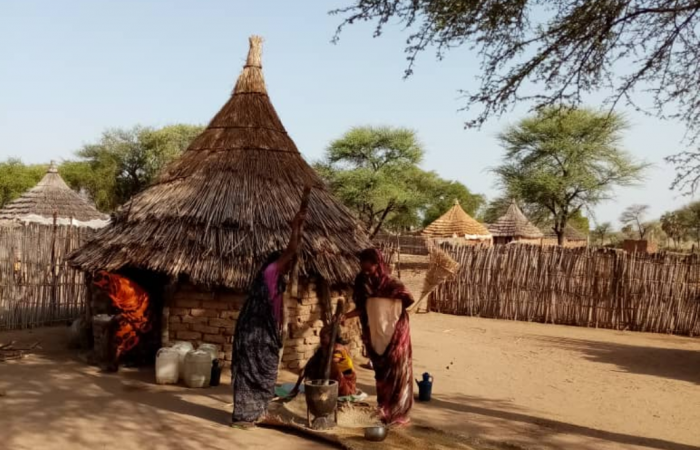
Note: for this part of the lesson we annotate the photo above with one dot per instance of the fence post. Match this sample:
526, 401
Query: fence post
54, 278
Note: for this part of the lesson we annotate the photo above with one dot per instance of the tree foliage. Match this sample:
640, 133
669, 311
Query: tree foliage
17, 177
566, 160
602, 232
440, 197
672, 223
125, 161
375, 171
121, 164
690, 217
552, 52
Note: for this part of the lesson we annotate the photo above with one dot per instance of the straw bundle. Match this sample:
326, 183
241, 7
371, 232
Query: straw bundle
442, 268
217, 212
53, 196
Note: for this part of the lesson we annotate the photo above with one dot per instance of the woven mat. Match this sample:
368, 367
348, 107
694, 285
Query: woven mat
349, 434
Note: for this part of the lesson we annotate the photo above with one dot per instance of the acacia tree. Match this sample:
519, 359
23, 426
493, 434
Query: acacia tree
673, 225
634, 216
566, 160
550, 52
602, 232
690, 215
375, 172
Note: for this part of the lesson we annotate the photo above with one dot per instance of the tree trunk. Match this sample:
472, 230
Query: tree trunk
386, 212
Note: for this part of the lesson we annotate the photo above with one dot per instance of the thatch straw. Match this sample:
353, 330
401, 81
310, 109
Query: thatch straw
514, 224
571, 234
53, 196
216, 212
456, 223
442, 267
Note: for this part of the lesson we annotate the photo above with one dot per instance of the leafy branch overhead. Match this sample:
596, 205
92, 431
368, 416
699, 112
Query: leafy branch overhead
554, 52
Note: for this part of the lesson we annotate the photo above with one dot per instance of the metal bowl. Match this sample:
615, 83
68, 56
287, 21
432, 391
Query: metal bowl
376, 434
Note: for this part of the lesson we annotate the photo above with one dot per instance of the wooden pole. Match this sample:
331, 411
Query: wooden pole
331, 346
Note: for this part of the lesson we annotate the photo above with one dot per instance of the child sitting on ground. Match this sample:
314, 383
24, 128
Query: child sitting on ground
342, 369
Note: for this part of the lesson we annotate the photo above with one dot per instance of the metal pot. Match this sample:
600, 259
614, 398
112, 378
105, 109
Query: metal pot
321, 403
376, 434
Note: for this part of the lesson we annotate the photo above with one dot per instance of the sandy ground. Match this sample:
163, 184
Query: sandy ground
539, 386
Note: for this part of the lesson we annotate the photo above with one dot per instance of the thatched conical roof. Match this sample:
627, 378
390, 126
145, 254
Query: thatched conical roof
456, 223
571, 234
217, 212
52, 195
514, 224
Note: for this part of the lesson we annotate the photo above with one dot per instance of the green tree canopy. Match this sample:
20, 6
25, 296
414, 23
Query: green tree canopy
17, 177
566, 160
125, 161
672, 223
375, 171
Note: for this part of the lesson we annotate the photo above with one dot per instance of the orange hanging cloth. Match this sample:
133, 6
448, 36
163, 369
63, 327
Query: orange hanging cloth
131, 300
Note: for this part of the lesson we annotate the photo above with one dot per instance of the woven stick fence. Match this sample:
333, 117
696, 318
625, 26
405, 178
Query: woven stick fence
37, 287
583, 287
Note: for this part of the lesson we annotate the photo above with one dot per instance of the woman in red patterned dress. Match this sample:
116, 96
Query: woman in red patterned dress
381, 302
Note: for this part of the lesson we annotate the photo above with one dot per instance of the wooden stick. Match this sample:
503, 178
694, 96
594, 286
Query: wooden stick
331, 347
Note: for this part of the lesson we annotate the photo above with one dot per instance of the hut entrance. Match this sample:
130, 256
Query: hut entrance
125, 316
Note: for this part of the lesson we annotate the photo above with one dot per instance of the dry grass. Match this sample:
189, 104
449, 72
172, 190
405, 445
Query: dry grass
221, 208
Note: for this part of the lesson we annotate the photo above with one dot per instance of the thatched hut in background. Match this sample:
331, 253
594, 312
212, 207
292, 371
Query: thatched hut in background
199, 234
37, 230
51, 202
513, 226
458, 227
573, 238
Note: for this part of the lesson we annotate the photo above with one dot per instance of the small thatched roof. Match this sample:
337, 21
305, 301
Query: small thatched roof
571, 234
216, 213
52, 195
456, 223
514, 224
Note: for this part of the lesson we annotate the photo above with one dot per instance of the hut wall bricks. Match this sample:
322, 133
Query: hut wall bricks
200, 315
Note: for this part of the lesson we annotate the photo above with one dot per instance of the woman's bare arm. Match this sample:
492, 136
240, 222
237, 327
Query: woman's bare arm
284, 263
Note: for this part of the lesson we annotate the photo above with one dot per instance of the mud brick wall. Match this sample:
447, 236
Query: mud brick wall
199, 316
304, 324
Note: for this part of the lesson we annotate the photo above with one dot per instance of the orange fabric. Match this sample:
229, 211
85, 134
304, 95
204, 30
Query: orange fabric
342, 359
132, 302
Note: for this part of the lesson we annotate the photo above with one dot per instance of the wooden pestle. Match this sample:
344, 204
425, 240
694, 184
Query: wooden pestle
335, 324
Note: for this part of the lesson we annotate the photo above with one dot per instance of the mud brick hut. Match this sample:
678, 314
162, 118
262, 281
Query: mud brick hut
196, 238
514, 226
457, 227
37, 231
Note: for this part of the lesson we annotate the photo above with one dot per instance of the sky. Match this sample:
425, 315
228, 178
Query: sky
71, 69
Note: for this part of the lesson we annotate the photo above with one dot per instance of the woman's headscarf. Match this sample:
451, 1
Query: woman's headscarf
379, 284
